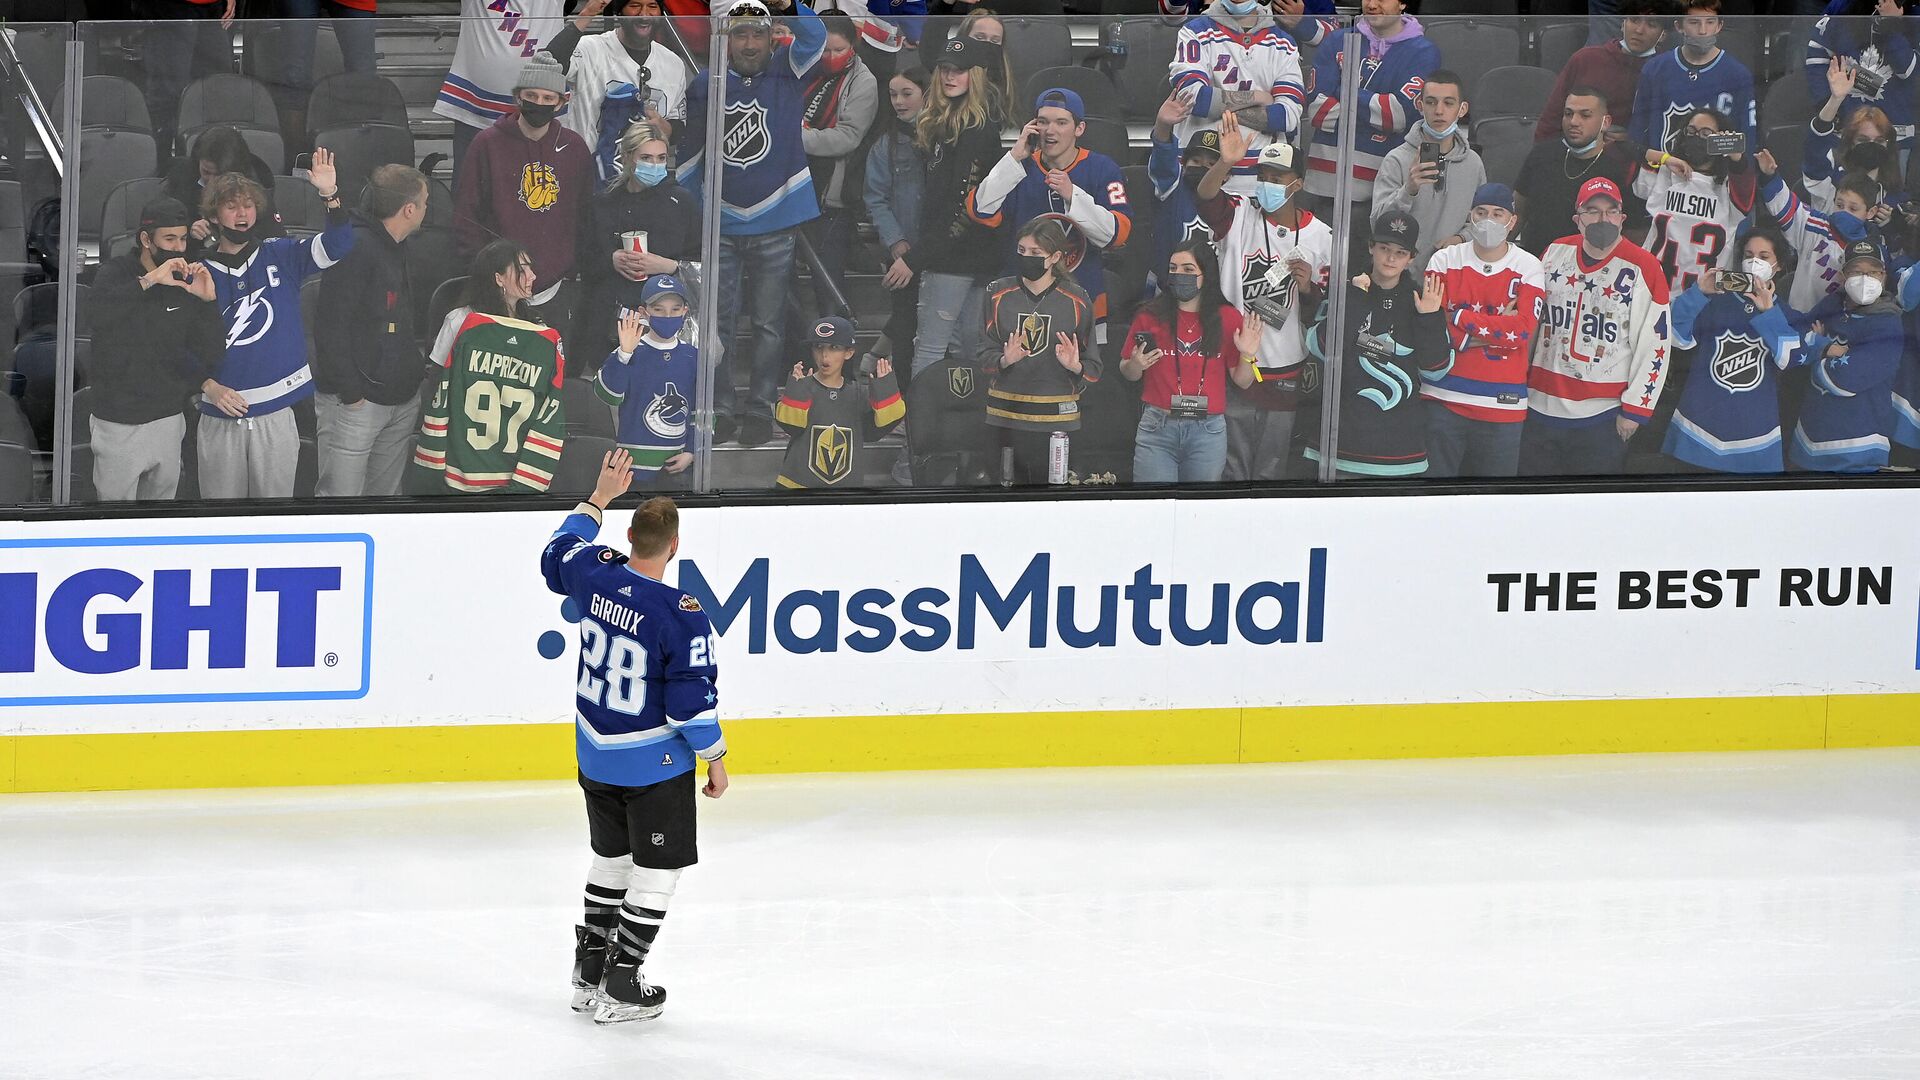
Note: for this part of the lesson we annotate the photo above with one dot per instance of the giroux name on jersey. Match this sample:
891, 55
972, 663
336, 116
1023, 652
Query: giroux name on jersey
618, 616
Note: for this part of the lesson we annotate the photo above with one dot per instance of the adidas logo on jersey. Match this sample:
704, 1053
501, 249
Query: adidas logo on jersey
626, 590
513, 341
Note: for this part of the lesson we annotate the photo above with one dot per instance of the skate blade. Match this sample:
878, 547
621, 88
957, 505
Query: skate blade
613, 1012
585, 998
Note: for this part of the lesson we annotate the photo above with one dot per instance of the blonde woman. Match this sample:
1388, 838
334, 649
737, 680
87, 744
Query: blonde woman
959, 131
980, 24
644, 224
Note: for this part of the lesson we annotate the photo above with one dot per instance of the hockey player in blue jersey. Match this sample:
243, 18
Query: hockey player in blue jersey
1728, 419
1697, 75
255, 451
645, 710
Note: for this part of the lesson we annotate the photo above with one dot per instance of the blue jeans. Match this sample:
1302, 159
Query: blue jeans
1457, 446
756, 271
352, 28
1589, 450
952, 310
1166, 450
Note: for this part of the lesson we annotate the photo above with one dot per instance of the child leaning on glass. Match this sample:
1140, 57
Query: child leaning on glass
830, 416
650, 380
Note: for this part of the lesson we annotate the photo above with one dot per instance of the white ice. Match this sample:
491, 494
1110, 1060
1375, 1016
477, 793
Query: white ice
1741, 916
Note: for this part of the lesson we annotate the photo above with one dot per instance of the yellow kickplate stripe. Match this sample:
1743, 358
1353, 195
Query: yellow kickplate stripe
974, 740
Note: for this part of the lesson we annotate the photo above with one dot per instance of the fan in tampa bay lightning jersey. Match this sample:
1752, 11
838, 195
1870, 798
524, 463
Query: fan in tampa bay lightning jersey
1728, 419
646, 703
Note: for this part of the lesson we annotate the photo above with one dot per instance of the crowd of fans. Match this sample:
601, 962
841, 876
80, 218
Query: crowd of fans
1650, 292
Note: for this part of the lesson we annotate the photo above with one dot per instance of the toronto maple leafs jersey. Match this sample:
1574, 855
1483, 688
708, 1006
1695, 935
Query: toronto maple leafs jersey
1493, 312
1253, 271
766, 184
1670, 88
646, 702
653, 389
1176, 214
1694, 221
1604, 345
1881, 46
258, 294
1212, 56
1390, 346
1847, 417
1728, 419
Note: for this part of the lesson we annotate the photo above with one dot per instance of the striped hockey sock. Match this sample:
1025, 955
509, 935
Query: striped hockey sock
644, 909
607, 883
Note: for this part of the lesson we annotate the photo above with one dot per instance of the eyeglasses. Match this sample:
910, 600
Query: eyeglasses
1599, 213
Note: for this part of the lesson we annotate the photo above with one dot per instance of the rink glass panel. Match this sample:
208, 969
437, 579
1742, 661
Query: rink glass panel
1508, 63
32, 139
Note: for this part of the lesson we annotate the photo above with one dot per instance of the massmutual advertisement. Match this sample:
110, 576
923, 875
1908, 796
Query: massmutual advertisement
1046, 607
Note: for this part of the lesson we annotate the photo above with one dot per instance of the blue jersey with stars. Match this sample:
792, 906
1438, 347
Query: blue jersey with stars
1670, 88
1729, 414
645, 702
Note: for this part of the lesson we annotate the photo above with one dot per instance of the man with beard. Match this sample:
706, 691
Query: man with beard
1556, 170
1698, 198
1612, 68
251, 447
599, 64
766, 194
162, 344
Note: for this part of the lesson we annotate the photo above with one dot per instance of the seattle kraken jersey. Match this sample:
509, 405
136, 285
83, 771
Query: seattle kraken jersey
1729, 414
653, 389
645, 703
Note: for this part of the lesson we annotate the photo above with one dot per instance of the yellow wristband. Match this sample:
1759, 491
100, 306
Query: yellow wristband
1662, 163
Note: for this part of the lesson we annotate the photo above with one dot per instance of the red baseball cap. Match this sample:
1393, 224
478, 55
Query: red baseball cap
1598, 186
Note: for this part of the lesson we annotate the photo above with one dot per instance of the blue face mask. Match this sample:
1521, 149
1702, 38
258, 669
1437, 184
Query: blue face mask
1582, 150
1269, 195
665, 327
649, 172
1847, 225
1240, 9
1433, 134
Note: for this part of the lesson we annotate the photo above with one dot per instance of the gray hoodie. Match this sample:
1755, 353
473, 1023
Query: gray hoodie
1441, 209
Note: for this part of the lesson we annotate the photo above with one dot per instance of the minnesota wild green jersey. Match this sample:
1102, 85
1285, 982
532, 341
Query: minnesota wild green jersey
495, 423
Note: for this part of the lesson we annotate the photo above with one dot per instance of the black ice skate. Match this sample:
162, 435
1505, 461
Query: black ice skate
589, 967
627, 996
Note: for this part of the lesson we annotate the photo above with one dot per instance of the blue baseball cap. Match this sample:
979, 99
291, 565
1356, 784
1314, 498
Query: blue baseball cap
1059, 97
662, 285
1499, 195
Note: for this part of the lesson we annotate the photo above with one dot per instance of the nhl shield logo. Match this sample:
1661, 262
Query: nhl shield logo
831, 452
960, 382
747, 141
1739, 361
1035, 332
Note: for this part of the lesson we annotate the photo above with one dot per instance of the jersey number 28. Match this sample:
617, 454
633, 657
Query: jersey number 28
613, 670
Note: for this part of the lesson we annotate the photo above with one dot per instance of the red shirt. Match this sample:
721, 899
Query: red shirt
1608, 68
1183, 370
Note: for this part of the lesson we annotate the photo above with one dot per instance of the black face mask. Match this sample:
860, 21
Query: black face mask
1695, 151
537, 115
1192, 175
1033, 267
235, 235
1183, 287
1867, 156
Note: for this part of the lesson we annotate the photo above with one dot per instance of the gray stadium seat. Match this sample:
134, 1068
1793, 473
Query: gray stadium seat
1143, 76
1470, 46
301, 211
1786, 104
446, 297
108, 159
1096, 90
121, 218
1479, 9
359, 150
13, 223
110, 103
1503, 159
1033, 44
238, 102
352, 99
1510, 91
1558, 42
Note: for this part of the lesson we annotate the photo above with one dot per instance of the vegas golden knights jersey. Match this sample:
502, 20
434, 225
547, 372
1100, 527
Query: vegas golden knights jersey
830, 426
1035, 393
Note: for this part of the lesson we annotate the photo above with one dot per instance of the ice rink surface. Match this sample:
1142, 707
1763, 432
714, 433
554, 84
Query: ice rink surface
1751, 916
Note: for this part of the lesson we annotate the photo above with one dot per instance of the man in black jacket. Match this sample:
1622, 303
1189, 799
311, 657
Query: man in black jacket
162, 340
368, 364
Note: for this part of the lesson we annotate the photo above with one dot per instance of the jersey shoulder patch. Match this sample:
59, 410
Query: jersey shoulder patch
688, 603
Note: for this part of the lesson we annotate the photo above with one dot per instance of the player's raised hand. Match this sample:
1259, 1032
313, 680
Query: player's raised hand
616, 475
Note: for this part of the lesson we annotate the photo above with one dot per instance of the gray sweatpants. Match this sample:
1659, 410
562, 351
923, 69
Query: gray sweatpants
363, 448
254, 457
1258, 441
137, 461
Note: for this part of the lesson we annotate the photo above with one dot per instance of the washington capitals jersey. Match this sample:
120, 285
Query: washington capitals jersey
653, 390
259, 301
1728, 419
1694, 221
1098, 187
1846, 419
1176, 212
1670, 88
765, 183
1493, 312
645, 698
1604, 344
1389, 87
1212, 57
497, 38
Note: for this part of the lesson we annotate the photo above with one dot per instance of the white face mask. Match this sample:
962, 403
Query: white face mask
1488, 233
1862, 289
1758, 269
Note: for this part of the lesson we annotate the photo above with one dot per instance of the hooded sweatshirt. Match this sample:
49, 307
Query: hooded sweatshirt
1397, 67
533, 192
1442, 208
161, 344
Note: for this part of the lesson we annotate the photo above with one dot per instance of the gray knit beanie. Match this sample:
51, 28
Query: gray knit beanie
542, 73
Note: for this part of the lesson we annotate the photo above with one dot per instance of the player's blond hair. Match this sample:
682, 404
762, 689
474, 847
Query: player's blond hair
656, 524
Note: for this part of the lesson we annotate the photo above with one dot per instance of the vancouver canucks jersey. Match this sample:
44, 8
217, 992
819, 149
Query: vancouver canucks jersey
1729, 414
645, 703
496, 422
653, 390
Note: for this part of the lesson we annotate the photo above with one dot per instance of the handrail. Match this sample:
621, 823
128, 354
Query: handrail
30, 100
820, 276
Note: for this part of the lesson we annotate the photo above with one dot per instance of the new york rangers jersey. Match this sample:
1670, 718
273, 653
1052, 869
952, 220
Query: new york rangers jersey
1670, 88
1847, 418
1493, 312
1604, 344
1694, 221
1728, 419
1254, 255
653, 389
1390, 84
258, 294
766, 184
1016, 192
1212, 57
646, 702
1176, 214
497, 38
1818, 245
